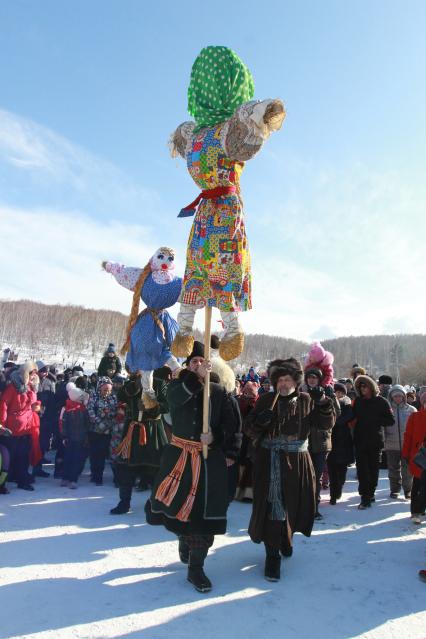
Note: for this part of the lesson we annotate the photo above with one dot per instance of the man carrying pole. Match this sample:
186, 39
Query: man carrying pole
190, 494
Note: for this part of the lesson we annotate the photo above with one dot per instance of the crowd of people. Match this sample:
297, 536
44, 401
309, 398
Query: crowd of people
278, 438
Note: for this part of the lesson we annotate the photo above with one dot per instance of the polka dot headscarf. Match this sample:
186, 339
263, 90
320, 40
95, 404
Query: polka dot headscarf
220, 82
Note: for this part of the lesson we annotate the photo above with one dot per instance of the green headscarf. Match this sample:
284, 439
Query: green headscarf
220, 82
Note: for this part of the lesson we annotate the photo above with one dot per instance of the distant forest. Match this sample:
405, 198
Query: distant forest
77, 331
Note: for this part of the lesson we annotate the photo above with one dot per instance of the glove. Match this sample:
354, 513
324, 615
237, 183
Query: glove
265, 417
317, 393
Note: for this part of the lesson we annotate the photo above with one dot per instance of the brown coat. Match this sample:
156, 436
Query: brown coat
292, 417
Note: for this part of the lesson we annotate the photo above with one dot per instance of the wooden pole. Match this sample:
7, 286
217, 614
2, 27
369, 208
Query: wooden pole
206, 394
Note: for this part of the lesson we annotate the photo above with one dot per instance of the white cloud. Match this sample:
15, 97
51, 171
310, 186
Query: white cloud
40, 160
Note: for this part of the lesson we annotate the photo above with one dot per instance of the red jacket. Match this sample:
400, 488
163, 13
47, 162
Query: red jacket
413, 438
16, 412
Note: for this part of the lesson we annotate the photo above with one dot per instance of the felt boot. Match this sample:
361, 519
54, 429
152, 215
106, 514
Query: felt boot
196, 575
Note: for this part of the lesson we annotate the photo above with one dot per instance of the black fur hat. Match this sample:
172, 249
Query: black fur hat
280, 367
198, 348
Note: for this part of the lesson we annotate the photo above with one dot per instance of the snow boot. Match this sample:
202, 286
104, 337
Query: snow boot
121, 508
365, 503
183, 551
196, 575
272, 564
286, 548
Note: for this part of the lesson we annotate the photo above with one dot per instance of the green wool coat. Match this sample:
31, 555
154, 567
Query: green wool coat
150, 453
208, 515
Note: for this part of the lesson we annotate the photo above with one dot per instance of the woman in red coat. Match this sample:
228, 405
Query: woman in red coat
16, 414
414, 438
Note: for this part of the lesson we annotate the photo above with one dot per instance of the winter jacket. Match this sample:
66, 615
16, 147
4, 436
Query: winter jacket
415, 435
15, 410
320, 436
102, 411
109, 366
342, 447
394, 435
75, 422
370, 415
46, 395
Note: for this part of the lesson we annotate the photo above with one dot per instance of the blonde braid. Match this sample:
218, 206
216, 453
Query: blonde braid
135, 306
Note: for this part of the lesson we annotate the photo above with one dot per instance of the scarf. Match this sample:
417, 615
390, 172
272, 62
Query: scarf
220, 83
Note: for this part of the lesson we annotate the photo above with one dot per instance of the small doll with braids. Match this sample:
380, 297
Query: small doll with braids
151, 332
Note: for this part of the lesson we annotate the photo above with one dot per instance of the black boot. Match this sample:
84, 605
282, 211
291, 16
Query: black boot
272, 564
122, 508
196, 575
286, 547
183, 551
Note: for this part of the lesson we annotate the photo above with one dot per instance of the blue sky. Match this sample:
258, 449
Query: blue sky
334, 202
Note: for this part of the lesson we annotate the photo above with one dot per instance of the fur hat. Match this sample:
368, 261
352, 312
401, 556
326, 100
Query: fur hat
318, 357
357, 370
25, 369
280, 367
225, 373
368, 381
77, 394
385, 379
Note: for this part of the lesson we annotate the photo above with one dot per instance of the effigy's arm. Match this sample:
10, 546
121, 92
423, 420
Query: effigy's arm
250, 126
126, 276
180, 139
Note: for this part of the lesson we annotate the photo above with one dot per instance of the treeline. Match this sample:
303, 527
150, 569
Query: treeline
77, 332
70, 330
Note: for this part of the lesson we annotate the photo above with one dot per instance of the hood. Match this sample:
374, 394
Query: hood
397, 388
365, 379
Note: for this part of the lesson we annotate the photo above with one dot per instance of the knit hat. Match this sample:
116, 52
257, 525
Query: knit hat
104, 381
385, 379
280, 367
338, 386
313, 371
357, 370
397, 389
111, 348
40, 365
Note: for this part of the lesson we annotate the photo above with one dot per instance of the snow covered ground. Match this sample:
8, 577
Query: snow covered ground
70, 569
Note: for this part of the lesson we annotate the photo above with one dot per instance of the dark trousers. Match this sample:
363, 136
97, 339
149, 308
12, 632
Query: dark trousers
4, 464
74, 457
99, 452
337, 477
418, 495
318, 461
367, 466
19, 450
126, 477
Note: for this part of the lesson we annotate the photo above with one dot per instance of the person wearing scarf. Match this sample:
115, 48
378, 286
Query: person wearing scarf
190, 493
16, 414
228, 129
283, 474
